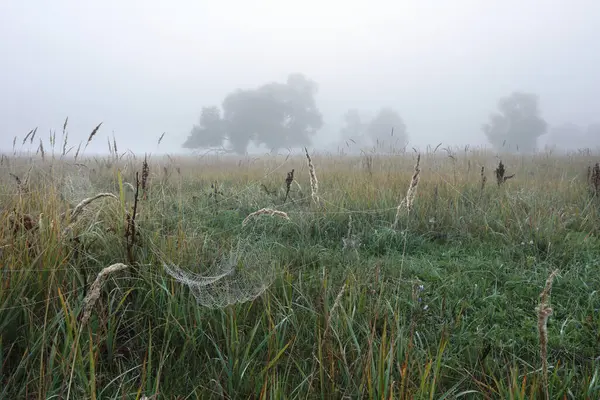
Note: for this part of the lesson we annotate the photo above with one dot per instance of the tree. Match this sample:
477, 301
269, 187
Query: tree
570, 136
353, 128
209, 132
387, 127
517, 125
276, 115
593, 135
566, 136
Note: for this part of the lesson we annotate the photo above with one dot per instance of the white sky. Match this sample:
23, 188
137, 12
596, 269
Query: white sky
145, 67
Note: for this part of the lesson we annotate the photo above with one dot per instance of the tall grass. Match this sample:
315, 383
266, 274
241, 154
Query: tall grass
457, 320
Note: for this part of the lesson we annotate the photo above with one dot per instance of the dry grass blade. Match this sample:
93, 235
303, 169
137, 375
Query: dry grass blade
543, 312
265, 211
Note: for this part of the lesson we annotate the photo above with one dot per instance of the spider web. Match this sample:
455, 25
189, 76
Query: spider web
76, 187
240, 277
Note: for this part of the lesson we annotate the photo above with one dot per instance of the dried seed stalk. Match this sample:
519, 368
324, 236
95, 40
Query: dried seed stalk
483, 178
500, 171
544, 311
93, 134
27, 136
351, 241
288, 184
314, 182
130, 230
145, 174
115, 146
88, 304
85, 202
94, 294
77, 152
410, 194
336, 303
41, 149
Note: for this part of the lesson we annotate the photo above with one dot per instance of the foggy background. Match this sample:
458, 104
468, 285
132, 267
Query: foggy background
148, 67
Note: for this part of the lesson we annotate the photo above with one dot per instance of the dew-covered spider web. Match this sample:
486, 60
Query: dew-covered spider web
241, 276
76, 187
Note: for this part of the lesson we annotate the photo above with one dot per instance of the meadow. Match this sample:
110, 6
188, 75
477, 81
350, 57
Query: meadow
388, 275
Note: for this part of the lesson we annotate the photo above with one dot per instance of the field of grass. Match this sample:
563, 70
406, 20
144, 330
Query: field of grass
332, 299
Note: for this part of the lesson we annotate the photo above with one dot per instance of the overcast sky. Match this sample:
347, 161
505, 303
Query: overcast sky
147, 67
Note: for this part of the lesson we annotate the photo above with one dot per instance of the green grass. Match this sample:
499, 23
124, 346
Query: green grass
441, 307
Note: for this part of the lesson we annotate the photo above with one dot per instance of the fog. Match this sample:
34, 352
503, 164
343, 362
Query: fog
148, 67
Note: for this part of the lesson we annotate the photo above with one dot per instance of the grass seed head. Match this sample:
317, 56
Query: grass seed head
27, 136
79, 208
483, 178
41, 149
33, 135
94, 294
314, 182
93, 133
288, 184
411, 193
146, 173
265, 211
543, 313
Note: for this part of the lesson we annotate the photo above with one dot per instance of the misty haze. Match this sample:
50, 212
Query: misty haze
144, 68
293, 200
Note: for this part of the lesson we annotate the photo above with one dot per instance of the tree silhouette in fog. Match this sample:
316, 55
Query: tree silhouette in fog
276, 115
353, 128
566, 136
386, 128
517, 125
209, 132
